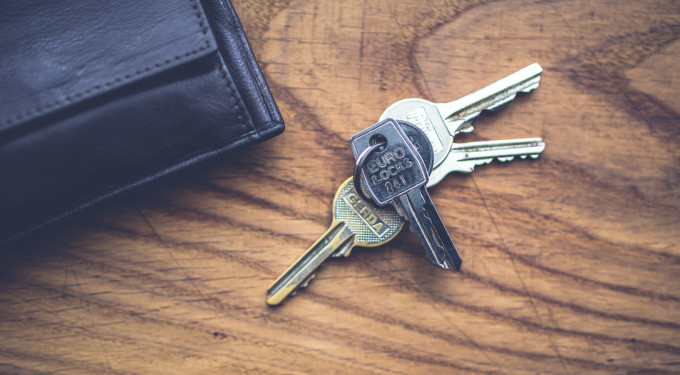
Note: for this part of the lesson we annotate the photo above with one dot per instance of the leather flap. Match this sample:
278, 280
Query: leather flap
69, 51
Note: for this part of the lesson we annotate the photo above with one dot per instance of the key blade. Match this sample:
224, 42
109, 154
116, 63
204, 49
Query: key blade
451, 255
501, 149
461, 113
427, 224
301, 272
465, 156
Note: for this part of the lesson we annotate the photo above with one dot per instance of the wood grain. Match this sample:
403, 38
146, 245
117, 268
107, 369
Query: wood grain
571, 261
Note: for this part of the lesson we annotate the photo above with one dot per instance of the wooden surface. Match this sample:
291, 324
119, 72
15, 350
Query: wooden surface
571, 261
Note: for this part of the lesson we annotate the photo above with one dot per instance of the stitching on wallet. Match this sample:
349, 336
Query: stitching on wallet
237, 101
203, 28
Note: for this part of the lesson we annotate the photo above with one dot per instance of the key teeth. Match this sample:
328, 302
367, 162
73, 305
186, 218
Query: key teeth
343, 252
483, 162
532, 87
505, 158
466, 128
442, 259
444, 263
306, 282
510, 158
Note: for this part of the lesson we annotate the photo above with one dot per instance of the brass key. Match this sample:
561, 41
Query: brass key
355, 223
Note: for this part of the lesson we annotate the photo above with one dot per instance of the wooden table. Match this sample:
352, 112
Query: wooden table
571, 261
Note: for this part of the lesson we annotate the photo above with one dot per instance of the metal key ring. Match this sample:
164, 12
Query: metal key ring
361, 160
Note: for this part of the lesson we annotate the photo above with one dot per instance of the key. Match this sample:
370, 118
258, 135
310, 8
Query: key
442, 121
420, 142
355, 223
302, 271
465, 156
394, 173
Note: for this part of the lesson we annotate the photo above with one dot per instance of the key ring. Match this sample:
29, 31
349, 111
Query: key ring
361, 160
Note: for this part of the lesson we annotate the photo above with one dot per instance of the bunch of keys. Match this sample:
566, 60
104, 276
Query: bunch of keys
393, 172
411, 148
356, 222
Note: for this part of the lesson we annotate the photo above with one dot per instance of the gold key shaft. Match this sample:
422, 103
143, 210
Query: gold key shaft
355, 223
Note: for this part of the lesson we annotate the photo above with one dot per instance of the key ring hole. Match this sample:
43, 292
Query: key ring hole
378, 140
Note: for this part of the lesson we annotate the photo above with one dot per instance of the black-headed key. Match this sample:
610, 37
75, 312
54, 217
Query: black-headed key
393, 172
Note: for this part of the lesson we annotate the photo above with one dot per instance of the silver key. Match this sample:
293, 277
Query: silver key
465, 156
394, 173
442, 121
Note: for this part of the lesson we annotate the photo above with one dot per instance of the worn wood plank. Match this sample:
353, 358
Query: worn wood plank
571, 261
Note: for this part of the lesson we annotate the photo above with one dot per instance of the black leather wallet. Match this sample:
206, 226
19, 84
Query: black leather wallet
98, 97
